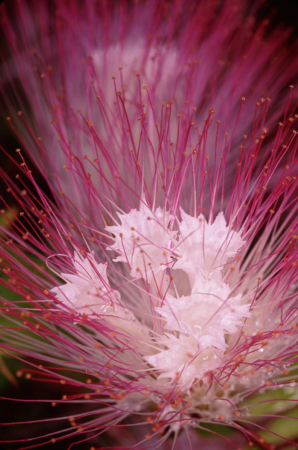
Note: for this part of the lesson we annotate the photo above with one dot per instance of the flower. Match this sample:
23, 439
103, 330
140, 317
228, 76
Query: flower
156, 281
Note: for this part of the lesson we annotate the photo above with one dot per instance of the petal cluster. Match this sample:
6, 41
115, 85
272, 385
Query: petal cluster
143, 240
87, 290
191, 341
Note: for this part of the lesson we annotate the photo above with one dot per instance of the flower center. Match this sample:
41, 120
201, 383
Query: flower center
186, 337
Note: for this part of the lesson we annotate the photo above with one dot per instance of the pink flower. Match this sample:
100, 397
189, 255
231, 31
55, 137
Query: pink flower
158, 276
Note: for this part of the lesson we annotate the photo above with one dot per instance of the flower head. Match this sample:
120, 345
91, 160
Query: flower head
162, 263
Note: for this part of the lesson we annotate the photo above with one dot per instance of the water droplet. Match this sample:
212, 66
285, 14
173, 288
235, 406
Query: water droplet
194, 423
157, 398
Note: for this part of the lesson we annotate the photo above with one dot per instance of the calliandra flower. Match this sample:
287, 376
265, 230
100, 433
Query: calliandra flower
157, 279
